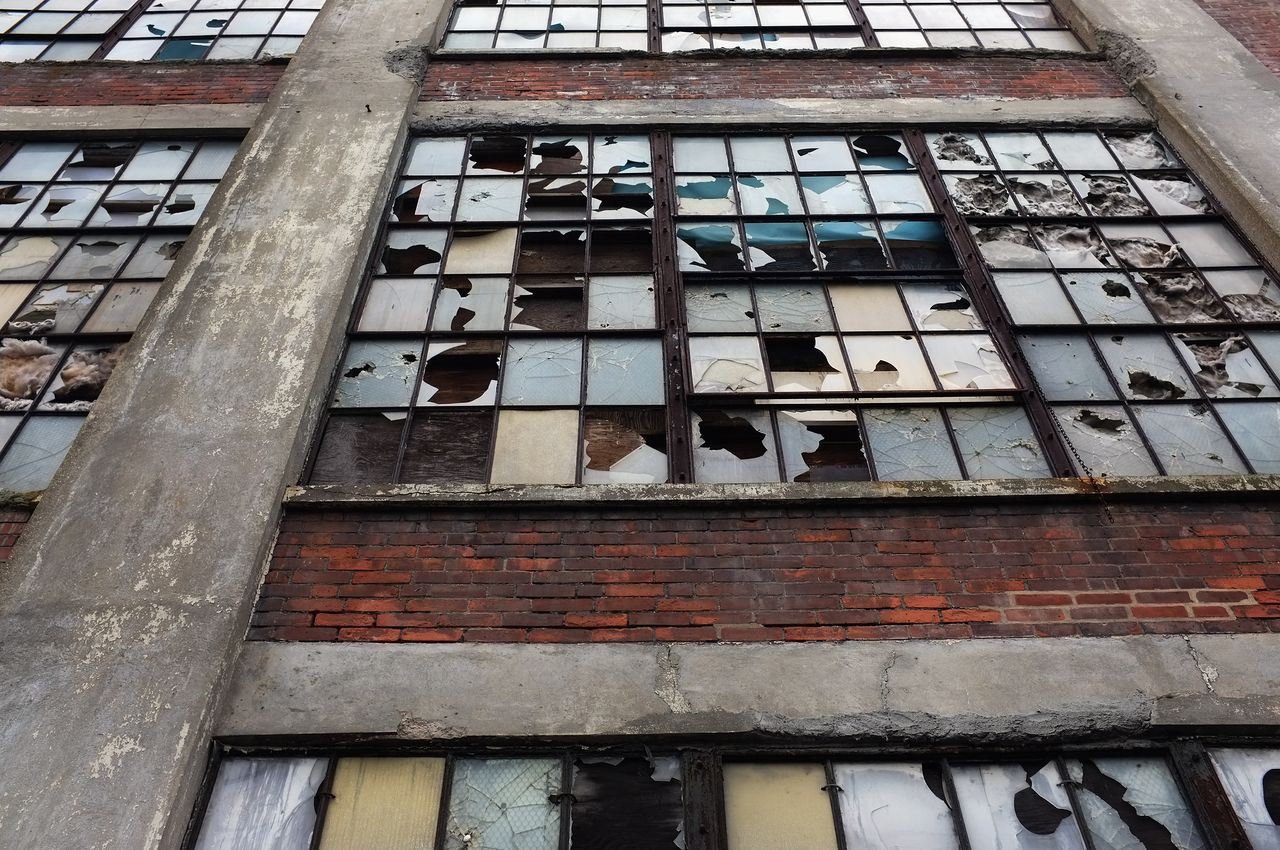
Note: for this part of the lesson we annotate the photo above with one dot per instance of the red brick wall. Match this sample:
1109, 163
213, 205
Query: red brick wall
140, 84
12, 521
1254, 23
933, 571
767, 77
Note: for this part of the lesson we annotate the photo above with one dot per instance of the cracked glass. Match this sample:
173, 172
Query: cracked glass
1133, 804
503, 804
1251, 778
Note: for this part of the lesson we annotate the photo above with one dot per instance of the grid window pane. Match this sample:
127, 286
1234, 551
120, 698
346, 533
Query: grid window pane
234, 29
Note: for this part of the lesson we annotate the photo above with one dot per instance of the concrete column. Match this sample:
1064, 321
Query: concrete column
1211, 97
123, 610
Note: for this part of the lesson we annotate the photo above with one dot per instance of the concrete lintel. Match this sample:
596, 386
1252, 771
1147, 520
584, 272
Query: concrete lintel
1211, 97
1126, 488
994, 692
457, 116
212, 118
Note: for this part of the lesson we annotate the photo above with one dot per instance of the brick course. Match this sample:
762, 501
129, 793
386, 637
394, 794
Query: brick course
12, 522
662, 574
769, 76
1254, 23
137, 84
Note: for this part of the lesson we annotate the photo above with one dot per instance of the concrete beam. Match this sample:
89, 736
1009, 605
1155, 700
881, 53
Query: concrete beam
47, 121
1211, 97
123, 609
458, 116
997, 691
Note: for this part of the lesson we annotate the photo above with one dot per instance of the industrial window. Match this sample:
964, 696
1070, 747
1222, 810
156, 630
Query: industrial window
87, 233
592, 308
676, 25
584, 800
152, 29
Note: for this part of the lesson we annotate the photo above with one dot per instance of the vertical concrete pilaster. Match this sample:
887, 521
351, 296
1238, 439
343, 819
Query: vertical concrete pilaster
1211, 97
124, 608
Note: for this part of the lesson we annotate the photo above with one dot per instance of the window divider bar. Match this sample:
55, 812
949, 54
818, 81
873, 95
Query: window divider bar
1209, 800
113, 36
323, 797
981, 285
704, 807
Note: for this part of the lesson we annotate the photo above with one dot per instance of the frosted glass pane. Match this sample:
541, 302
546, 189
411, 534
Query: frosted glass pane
258, 802
536, 447
1252, 780
997, 442
624, 371
502, 804
910, 444
778, 807
543, 371
1016, 807
894, 807
384, 804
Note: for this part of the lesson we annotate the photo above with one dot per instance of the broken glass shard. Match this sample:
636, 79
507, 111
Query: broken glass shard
30, 256
413, 252
447, 447
624, 446
356, 449
881, 152
1133, 804
979, 194
1082, 151
822, 445
1210, 244
726, 364
1073, 246
898, 193
543, 371
154, 258
1174, 195
769, 195
1181, 297
967, 362
705, 195
262, 802
733, 446
997, 442
1252, 781
941, 307
918, 244
503, 804
1187, 439
850, 245
424, 200
79, 382
621, 154
548, 305
556, 199
779, 246
959, 152
622, 198
471, 304
822, 153
55, 308
1225, 366
460, 373
839, 194
887, 363
891, 806
1141, 150
806, 364
1016, 807
65, 206
1045, 195
1009, 247
566, 155
710, 247
378, 373
497, 154
910, 444
25, 367
624, 372
1143, 246
1250, 294
1018, 151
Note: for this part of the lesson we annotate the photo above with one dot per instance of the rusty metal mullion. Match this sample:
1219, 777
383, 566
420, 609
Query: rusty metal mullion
1209, 800
981, 286
703, 802
113, 36
670, 295
654, 28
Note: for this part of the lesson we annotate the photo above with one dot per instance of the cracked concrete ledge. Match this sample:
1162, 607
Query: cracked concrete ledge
178, 120
991, 692
870, 492
457, 116
858, 54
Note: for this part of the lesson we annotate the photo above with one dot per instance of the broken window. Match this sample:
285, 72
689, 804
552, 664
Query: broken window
58, 30
87, 233
1251, 778
552, 24
1128, 287
235, 29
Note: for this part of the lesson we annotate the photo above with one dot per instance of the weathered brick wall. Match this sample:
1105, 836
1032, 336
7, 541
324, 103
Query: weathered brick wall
139, 84
1254, 23
768, 77
12, 521
705, 574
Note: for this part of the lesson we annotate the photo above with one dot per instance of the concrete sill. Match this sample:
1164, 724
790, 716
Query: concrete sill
858, 53
858, 492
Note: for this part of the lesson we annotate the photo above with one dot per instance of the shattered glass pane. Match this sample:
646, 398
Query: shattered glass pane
618, 154
30, 256
79, 382
1046, 195
959, 152
1109, 194
1143, 366
447, 447
841, 194
871, 307
413, 252
95, 256
1034, 298
806, 364
424, 200
1210, 244
780, 246
918, 245
1009, 247
460, 373
895, 806
616, 198
1080, 151
559, 155
1066, 367
979, 194
734, 446
632, 802
1019, 151
822, 153
910, 444
726, 364
624, 371
881, 152
543, 371
1105, 439
1251, 778
723, 309
396, 304
1134, 804
886, 363
1187, 439
154, 258
503, 804
624, 446
705, 195
1251, 295
941, 307
55, 308
621, 302
1181, 297
1073, 246
37, 452
898, 193
554, 251
967, 362
536, 447
1108, 297
262, 802
489, 199
497, 155
1016, 807
769, 195
1174, 195
378, 373
822, 445
997, 442
1225, 366
850, 245
1143, 246
709, 247
548, 305
778, 807
358, 449
785, 307
1141, 150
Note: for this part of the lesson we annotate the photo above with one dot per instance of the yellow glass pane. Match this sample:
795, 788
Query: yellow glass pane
778, 807
384, 804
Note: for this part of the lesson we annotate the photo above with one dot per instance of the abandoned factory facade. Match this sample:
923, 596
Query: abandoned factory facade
694, 424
